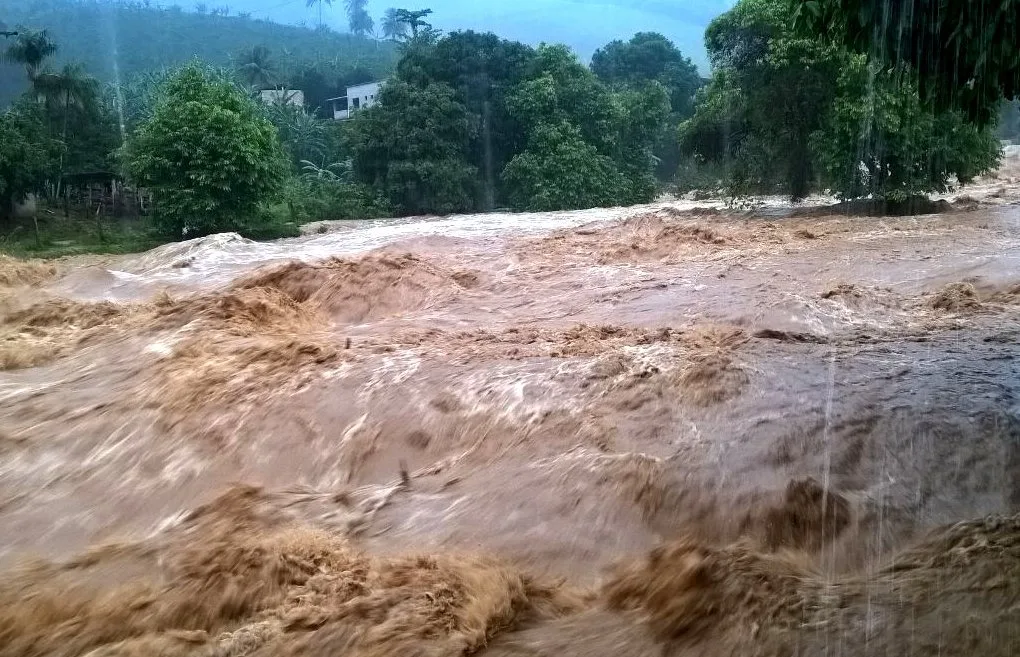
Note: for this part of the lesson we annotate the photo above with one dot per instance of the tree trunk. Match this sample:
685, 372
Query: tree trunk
490, 179
60, 178
800, 170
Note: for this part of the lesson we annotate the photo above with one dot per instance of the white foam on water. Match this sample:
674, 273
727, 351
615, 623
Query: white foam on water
215, 260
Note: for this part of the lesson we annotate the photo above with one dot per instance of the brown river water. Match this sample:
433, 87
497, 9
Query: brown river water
661, 430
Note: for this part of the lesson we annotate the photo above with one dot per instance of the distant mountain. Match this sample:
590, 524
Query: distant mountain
119, 39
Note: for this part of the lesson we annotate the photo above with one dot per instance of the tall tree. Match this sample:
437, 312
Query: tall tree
414, 20
786, 110
31, 48
309, 3
208, 153
358, 18
28, 154
575, 137
393, 28
68, 90
481, 69
646, 57
964, 53
257, 68
769, 92
411, 147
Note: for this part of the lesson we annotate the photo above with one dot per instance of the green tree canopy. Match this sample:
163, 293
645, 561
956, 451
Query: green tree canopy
411, 147
786, 111
207, 152
28, 154
560, 170
481, 69
585, 146
965, 54
358, 19
648, 57
31, 48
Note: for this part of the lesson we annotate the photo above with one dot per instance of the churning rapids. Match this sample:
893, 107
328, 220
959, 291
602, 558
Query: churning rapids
663, 430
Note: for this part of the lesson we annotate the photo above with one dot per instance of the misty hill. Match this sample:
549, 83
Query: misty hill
126, 38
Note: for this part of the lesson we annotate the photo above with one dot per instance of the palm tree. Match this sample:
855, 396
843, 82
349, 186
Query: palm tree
31, 49
309, 3
414, 20
358, 19
256, 68
304, 136
393, 28
70, 88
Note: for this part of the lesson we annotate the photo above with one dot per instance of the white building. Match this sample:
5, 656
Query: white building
358, 97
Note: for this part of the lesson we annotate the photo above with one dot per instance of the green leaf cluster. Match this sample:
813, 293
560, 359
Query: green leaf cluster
790, 112
964, 54
208, 153
28, 156
472, 121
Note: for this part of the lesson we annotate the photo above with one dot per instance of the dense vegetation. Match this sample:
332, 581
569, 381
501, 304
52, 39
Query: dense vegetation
789, 111
471, 121
207, 152
962, 54
121, 40
797, 102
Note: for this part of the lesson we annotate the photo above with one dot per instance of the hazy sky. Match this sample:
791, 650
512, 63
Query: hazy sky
582, 24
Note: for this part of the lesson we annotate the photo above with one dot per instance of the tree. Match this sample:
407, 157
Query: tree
411, 148
28, 155
69, 90
413, 20
648, 57
575, 145
881, 139
31, 48
644, 121
256, 68
559, 170
358, 19
779, 87
786, 111
309, 3
481, 69
964, 53
471, 120
393, 28
208, 153
303, 136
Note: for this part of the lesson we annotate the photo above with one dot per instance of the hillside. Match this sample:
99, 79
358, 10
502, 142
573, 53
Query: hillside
126, 38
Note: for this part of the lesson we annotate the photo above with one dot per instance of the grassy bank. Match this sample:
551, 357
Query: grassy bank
52, 235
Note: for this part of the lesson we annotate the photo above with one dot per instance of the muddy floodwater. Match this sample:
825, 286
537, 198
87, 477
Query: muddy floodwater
677, 429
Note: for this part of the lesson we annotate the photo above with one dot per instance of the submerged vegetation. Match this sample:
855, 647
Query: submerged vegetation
800, 99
